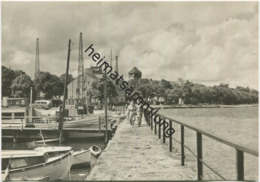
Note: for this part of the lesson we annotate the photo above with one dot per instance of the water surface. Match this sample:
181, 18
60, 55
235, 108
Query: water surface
239, 125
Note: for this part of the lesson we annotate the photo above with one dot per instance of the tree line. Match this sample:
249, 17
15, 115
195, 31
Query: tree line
194, 93
17, 83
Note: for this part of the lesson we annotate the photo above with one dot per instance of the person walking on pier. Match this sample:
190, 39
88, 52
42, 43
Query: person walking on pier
131, 111
139, 112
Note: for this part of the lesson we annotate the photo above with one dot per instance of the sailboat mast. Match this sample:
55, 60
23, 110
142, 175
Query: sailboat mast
64, 95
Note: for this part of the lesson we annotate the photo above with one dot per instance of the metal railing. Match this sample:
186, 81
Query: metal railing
240, 149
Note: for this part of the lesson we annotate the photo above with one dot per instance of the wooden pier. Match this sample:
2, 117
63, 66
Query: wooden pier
144, 153
135, 153
33, 133
94, 129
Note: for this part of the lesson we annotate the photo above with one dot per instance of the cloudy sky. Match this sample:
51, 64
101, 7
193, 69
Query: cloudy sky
204, 42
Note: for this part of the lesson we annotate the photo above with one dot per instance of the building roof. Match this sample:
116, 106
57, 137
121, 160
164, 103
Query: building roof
134, 70
91, 76
88, 74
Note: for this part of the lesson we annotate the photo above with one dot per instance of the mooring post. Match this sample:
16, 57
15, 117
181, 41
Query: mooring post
31, 110
22, 124
14, 138
99, 123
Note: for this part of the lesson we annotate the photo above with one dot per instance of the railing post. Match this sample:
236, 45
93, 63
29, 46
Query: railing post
151, 122
199, 156
182, 146
240, 165
164, 131
159, 131
155, 128
170, 139
148, 118
99, 123
22, 124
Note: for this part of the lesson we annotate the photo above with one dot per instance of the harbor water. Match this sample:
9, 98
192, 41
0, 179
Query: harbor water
239, 125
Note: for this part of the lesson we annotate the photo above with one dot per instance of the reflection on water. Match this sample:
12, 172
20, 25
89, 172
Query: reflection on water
239, 125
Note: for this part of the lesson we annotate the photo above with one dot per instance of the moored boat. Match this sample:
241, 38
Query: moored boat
41, 178
79, 157
84, 156
32, 164
89, 122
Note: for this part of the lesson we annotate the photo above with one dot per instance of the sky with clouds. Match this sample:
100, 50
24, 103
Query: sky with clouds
204, 42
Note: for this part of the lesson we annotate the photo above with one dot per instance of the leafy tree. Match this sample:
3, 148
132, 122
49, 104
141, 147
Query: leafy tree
245, 89
98, 87
7, 78
187, 92
62, 78
134, 83
18, 73
22, 84
196, 97
223, 85
49, 84
254, 91
170, 98
166, 84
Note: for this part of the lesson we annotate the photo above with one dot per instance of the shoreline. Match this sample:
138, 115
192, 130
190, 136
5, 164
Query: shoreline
202, 106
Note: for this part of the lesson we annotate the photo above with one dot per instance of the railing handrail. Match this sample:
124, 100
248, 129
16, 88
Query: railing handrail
217, 138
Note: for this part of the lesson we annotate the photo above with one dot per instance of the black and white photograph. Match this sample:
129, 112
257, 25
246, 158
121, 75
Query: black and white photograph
129, 91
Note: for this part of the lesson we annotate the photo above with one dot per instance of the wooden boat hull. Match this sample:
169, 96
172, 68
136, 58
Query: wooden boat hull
85, 156
44, 178
56, 169
88, 123
82, 157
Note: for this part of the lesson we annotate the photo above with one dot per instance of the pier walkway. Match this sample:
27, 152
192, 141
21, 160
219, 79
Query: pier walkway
134, 153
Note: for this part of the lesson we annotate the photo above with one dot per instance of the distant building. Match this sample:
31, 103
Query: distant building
121, 98
134, 73
91, 74
180, 101
94, 71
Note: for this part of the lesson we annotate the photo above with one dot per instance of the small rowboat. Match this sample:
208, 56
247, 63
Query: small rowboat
79, 157
84, 156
